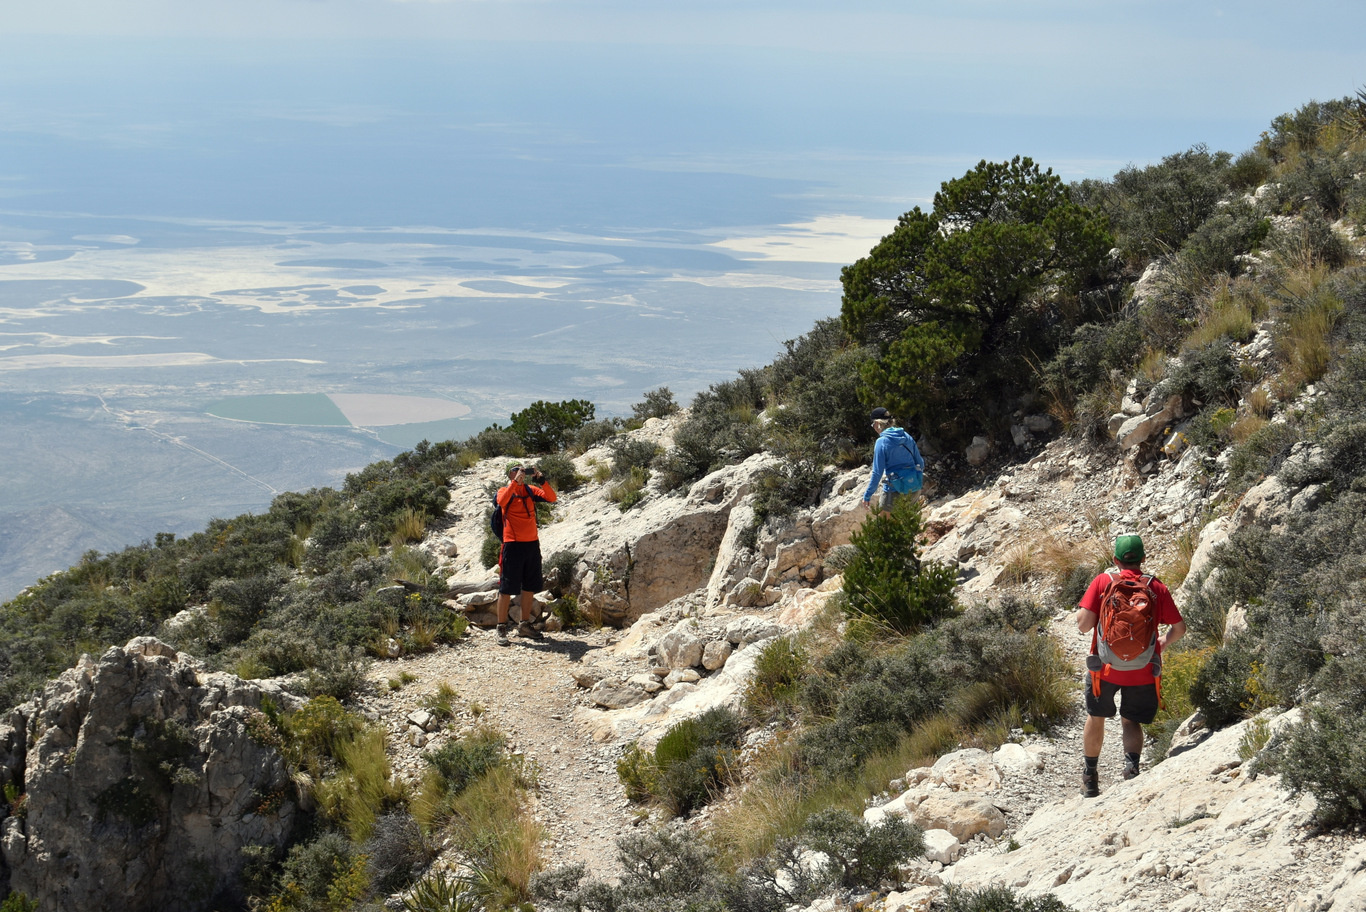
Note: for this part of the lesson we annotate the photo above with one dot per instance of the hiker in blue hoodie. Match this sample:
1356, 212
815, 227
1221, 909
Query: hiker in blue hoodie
897, 462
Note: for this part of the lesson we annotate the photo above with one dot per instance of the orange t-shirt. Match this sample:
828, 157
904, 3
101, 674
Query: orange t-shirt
519, 509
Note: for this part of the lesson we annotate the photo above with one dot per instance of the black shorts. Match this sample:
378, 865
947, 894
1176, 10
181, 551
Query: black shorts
1137, 702
520, 568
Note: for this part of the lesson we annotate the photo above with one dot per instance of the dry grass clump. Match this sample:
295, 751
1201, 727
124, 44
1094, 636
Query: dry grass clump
1018, 566
1231, 312
1304, 343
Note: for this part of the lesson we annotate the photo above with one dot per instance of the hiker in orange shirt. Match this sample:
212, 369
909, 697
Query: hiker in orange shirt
1122, 610
520, 561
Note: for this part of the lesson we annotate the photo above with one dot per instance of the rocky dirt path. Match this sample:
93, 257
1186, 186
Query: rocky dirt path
526, 691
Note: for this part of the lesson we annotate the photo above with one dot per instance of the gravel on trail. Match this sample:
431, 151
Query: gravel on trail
526, 691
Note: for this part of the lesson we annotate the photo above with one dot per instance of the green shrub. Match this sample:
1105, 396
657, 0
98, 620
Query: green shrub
495, 441
595, 432
638, 772
559, 570
792, 485
861, 705
815, 386
776, 682
1086, 362
235, 605
1250, 170
629, 454
723, 427
1221, 690
693, 759
1261, 453
887, 582
658, 403
863, 856
567, 609
1324, 755
320, 876
696, 758
559, 470
1006, 663
1208, 374
463, 761
490, 550
18, 902
999, 899
1155, 208
1215, 246
630, 490
545, 427
454, 769
315, 733
339, 673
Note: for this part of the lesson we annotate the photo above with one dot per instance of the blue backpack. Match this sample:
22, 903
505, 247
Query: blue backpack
905, 481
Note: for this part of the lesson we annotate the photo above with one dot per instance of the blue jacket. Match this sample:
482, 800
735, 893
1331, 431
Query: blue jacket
895, 449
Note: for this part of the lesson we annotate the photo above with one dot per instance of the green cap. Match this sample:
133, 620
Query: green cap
512, 467
1129, 548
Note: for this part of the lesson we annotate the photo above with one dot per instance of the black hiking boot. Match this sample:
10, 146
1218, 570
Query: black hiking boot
1130, 768
1090, 782
503, 635
528, 630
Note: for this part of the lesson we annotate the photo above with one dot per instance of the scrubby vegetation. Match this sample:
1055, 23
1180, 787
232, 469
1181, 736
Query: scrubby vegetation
1006, 296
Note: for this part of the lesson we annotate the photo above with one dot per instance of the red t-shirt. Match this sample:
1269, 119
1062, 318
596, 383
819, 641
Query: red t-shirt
1167, 613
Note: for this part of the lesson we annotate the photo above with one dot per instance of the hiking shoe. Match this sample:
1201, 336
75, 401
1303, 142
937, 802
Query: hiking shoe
1090, 782
1130, 769
528, 630
503, 635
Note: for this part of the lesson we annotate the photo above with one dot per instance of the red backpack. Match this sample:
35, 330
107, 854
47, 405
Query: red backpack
1126, 637
1126, 631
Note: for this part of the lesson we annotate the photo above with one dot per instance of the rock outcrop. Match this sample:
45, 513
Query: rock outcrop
138, 782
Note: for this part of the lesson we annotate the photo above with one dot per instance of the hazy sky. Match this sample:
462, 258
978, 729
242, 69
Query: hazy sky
1077, 81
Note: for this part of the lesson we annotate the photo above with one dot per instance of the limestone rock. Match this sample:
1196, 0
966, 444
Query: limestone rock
162, 824
747, 593
1266, 504
1016, 760
749, 629
589, 675
916, 899
1237, 830
681, 676
613, 693
942, 846
1140, 428
1347, 890
424, 720
681, 647
977, 451
962, 814
715, 654
968, 770
1189, 734
658, 551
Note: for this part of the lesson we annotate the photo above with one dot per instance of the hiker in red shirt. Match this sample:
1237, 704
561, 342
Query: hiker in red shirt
520, 561
1122, 610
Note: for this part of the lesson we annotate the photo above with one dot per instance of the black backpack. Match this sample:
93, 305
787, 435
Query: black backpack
496, 517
